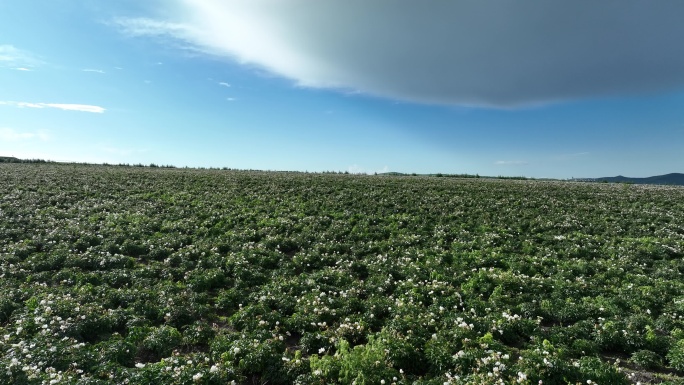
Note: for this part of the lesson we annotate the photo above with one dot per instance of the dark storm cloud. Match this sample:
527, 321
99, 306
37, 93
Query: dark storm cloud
487, 53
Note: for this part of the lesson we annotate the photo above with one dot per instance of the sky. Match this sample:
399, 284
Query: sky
543, 89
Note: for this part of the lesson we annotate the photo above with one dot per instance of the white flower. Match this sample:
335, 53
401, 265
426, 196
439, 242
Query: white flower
213, 369
197, 376
321, 350
139, 365
236, 350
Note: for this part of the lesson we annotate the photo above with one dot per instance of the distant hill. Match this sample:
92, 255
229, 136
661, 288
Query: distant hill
667, 179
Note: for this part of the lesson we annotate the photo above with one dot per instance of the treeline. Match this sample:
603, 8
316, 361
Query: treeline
11, 159
151, 165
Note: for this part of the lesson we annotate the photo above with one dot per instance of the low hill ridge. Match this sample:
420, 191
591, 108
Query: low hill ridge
667, 179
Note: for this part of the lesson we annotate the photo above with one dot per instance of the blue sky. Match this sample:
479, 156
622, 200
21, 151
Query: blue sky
540, 89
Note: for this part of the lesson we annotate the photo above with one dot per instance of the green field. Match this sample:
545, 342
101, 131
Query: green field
114, 275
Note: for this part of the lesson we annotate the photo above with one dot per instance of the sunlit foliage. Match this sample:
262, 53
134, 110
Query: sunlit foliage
179, 276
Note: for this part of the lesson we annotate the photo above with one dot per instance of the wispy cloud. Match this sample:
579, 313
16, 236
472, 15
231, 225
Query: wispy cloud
19, 59
77, 107
12, 135
180, 35
224, 84
22, 69
140, 26
60, 106
94, 70
231, 99
511, 163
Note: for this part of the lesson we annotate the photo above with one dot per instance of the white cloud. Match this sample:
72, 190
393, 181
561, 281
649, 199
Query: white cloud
511, 163
12, 135
487, 53
17, 58
60, 106
180, 35
77, 107
150, 27
93, 70
231, 99
224, 84
21, 104
9, 53
22, 69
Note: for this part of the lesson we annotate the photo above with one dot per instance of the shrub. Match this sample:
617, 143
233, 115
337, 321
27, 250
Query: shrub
646, 359
676, 355
162, 340
362, 365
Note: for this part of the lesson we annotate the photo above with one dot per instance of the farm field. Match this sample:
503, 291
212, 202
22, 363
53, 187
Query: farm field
115, 275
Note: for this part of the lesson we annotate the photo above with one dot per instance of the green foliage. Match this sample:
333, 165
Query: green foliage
646, 359
676, 355
162, 341
362, 364
158, 275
